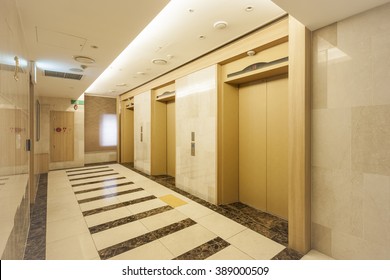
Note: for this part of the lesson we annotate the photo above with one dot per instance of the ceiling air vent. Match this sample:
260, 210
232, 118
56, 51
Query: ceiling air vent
63, 75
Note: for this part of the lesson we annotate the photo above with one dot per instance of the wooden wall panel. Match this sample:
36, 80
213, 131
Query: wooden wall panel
299, 187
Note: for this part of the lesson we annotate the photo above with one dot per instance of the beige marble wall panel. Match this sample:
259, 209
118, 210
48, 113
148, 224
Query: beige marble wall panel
142, 121
351, 132
196, 111
371, 139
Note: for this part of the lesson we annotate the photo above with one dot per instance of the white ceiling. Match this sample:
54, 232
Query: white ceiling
318, 13
56, 31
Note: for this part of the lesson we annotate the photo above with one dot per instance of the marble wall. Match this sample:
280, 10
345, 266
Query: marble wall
196, 111
351, 137
14, 130
43, 145
142, 131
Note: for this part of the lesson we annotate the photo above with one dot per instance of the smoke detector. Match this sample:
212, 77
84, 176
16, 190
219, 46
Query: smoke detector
220, 24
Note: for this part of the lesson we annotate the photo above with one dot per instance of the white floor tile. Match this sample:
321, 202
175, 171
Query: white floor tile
255, 245
119, 234
107, 216
230, 253
187, 239
146, 205
151, 251
78, 247
194, 210
221, 225
62, 229
163, 219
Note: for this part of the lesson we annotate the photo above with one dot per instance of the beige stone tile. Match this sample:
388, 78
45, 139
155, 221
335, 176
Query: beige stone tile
221, 225
163, 219
184, 240
194, 210
316, 255
376, 209
61, 229
132, 196
63, 211
151, 251
146, 205
331, 138
98, 203
78, 247
119, 234
321, 238
107, 216
230, 253
255, 245
347, 247
370, 139
86, 195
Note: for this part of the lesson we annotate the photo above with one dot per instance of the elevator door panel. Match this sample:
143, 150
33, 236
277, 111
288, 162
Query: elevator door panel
61, 136
277, 135
171, 139
252, 145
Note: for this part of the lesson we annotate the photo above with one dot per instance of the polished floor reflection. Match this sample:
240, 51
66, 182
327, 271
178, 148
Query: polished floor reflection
113, 212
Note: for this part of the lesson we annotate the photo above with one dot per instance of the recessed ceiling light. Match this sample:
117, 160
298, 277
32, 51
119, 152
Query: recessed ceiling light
76, 70
159, 61
202, 37
249, 8
121, 85
140, 73
220, 24
84, 59
191, 10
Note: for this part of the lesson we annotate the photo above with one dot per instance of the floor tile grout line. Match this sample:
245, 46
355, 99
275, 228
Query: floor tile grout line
101, 197
104, 187
129, 219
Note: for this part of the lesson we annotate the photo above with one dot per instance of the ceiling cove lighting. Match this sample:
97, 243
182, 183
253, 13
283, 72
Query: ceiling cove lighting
150, 31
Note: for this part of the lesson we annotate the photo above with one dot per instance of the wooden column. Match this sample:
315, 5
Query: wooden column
299, 137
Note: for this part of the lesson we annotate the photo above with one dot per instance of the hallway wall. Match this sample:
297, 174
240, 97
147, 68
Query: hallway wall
351, 137
14, 130
43, 146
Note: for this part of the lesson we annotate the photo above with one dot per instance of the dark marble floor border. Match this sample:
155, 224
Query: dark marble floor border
90, 172
36, 241
92, 177
133, 243
103, 188
205, 250
85, 169
118, 205
129, 219
99, 181
109, 195
266, 224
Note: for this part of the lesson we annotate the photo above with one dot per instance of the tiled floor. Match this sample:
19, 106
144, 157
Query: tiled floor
113, 212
